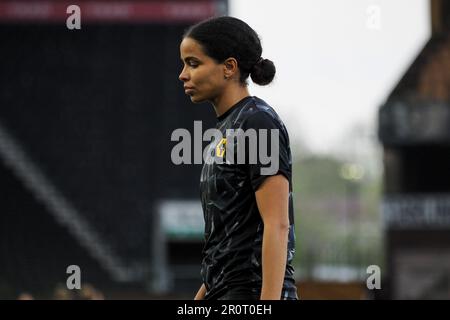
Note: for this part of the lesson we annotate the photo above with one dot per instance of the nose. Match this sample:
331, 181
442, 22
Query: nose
184, 76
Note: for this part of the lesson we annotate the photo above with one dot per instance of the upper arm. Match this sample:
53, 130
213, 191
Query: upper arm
277, 153
271, 190
272, 198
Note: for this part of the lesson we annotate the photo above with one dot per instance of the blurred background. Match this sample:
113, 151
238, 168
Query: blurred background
86, 116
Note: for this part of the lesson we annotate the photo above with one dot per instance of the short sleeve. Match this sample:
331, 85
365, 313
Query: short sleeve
272, 149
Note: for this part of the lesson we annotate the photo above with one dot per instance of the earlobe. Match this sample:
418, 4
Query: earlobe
227, 74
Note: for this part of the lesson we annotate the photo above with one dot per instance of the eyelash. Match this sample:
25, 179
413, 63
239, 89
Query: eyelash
192, 65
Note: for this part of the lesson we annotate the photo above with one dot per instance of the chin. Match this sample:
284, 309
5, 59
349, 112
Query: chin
196, 99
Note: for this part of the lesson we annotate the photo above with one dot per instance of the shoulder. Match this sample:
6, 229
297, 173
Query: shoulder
258, 114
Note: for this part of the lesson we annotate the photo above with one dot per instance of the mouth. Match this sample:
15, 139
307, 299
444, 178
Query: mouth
188, 90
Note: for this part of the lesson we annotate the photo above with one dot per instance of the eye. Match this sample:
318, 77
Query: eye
193, 64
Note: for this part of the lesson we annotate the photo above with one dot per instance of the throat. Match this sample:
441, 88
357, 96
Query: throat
226, 101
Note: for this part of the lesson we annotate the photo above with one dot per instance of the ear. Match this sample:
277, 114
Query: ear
230, 67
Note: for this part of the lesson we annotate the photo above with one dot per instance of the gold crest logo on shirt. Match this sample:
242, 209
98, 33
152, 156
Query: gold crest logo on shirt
221, 147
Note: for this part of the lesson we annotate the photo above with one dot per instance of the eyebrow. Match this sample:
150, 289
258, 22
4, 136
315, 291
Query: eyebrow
190, 58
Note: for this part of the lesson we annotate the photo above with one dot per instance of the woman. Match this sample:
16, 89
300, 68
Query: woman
249, 230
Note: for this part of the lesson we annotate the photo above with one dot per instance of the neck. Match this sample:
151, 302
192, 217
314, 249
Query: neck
229, 97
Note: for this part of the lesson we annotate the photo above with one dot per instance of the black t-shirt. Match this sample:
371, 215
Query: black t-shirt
233, 225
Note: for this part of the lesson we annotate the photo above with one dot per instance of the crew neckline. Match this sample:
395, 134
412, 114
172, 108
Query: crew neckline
237, 104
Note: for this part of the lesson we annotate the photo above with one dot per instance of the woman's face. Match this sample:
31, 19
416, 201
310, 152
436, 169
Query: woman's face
202, 76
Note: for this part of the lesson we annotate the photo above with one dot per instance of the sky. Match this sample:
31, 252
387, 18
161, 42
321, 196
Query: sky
336, 60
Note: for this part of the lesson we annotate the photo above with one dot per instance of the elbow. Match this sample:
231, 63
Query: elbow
285, 227
280, 226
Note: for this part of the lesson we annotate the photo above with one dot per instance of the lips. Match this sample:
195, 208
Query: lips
188, 89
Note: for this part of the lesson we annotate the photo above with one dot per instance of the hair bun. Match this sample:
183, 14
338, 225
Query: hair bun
263, 71
260, 60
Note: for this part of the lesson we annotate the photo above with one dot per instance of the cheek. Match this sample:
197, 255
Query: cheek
210, 80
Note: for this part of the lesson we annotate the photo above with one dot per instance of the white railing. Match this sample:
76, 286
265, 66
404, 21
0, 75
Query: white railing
418, 211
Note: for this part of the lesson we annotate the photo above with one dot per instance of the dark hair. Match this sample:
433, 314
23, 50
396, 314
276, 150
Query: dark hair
225, 37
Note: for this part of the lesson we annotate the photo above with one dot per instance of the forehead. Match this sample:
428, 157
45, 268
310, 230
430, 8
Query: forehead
190, 47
